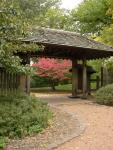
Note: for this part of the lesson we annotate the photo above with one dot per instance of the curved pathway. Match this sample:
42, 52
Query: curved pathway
98, 120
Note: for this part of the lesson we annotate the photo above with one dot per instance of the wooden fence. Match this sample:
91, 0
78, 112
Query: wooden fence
8, 82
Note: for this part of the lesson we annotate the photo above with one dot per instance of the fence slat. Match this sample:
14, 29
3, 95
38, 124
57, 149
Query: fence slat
9, 82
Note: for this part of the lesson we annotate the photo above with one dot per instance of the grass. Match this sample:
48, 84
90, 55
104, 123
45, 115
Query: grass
59, 88
65, 87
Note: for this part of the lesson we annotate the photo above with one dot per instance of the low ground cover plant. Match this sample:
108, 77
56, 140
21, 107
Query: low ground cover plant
104, 95
22, 115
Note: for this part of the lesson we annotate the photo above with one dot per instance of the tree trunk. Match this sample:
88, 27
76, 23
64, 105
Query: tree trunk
53, 86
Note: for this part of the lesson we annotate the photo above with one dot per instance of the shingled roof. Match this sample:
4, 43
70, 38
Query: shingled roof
59, 43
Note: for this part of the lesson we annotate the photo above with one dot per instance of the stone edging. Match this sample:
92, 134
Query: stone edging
81, 126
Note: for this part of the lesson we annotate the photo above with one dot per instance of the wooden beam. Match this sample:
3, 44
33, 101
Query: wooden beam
74, 78
84, 79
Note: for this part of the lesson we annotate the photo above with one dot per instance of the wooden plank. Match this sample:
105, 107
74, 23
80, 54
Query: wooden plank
28, 84
2, 81
5, 82
8, 82
22, 85
16, 82
13, 82
11, 75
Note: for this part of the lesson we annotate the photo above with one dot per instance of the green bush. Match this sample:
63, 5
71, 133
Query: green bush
105, 95
22, 115
37, 81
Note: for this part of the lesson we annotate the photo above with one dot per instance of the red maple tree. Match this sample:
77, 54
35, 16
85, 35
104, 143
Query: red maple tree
53, 69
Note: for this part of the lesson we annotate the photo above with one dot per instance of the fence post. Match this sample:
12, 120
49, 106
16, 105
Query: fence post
22, 84
102, 76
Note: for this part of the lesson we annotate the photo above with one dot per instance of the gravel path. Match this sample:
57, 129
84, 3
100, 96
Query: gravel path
64, 127
98, 119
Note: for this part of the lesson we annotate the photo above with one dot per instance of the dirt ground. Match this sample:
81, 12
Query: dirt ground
97, 118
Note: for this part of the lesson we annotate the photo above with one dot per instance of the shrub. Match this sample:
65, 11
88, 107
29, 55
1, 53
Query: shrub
105, 95
22, 115
2, 142
37, 82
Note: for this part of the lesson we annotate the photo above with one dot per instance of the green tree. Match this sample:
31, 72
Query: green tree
17, 17
95, 19
55, 18
92, 16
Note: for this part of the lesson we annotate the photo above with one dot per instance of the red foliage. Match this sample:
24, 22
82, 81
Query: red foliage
53, 69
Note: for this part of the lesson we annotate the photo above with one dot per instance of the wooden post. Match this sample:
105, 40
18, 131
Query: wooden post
84, 79
22, 86
89, 84
28, 84
74, 78
25, 80
102, 71
28, 77
105, 76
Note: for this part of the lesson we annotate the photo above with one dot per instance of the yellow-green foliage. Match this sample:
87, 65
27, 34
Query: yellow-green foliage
104, 95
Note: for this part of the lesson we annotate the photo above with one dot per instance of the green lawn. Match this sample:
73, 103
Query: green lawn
66, 87
59, 88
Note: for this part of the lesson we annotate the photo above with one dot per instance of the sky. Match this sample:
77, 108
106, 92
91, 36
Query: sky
70, 4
